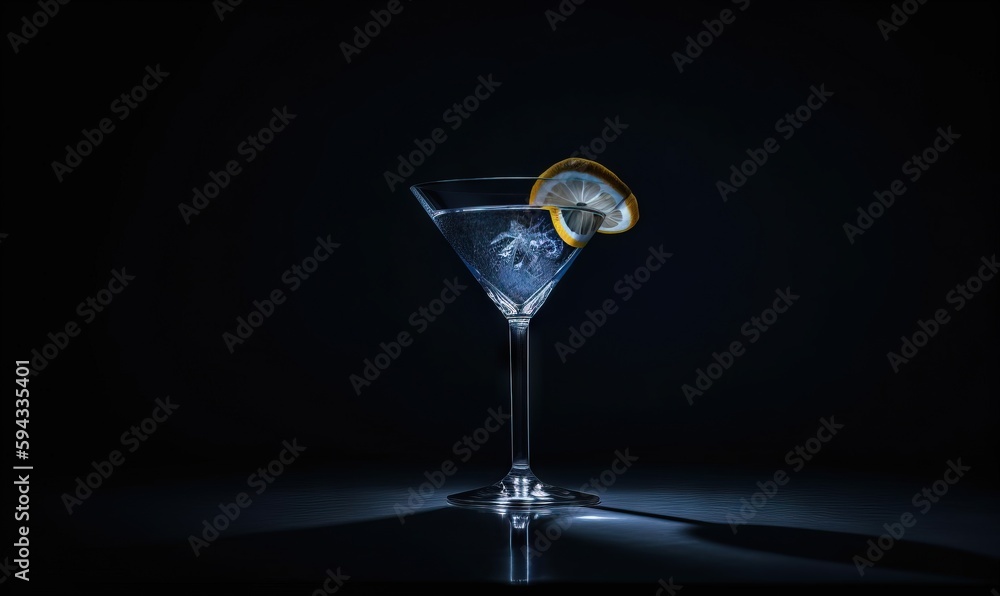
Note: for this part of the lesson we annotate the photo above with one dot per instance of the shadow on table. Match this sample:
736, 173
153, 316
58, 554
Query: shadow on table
839, 547
459, 545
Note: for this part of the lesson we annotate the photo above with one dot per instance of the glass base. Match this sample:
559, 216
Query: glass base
521, 489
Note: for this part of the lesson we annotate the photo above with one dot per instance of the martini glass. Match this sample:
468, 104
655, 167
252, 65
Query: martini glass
513, 250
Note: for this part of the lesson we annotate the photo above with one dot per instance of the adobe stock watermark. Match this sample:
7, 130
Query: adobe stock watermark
261, 479
752, 330
333, 582
922, 501
914, 168
899, 16
548, 534
248, 149
597, 145
626, 287
31, 25
224, 6
132, 439
565, 9
796, 458
293, 277
958, 297
420, 320
786, 126
6, 570
121, 107
88, 311
712, 30
364, 34
463, 450
454, 116
667, 587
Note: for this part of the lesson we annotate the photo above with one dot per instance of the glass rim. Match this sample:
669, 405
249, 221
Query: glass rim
510, 206
481, 186
490, 178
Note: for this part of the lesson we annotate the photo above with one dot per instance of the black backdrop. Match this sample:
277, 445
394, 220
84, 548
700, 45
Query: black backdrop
556, 89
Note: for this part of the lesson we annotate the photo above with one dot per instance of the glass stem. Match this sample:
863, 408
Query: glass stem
519, 394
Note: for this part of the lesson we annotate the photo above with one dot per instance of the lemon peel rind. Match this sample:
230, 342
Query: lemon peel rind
564, 232
577, 168
631, 204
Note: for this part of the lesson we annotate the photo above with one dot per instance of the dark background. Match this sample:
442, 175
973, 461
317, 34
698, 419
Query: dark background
324, 176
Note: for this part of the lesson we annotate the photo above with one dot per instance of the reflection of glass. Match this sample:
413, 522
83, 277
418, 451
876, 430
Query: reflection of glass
516, 254
520, 549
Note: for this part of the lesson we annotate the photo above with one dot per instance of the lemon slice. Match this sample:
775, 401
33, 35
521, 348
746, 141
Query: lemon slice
577, 182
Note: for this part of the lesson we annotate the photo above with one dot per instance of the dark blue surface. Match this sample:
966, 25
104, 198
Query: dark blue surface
654, 524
